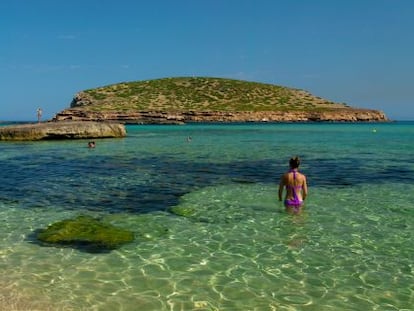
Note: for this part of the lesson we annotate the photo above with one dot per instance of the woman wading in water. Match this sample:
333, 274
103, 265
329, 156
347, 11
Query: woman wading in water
296, 187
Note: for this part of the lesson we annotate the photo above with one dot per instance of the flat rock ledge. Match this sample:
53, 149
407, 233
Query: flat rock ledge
167, 117
62, 130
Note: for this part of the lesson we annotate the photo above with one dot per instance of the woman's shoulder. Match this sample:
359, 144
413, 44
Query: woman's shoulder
301, 175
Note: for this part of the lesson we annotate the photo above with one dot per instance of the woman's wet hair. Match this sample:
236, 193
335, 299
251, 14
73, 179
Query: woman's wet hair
294, 162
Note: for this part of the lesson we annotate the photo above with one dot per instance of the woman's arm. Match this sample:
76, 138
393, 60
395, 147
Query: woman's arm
304, 188
281, 186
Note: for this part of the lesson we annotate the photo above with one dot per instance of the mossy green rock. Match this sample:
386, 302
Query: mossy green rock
85, 230
184, 211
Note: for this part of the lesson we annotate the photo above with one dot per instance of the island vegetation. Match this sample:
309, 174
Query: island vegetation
200, 94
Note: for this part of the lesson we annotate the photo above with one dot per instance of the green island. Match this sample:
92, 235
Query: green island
206, 99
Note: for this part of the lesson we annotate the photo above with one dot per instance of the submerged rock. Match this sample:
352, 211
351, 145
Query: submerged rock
62, 130
85, 231
227, 204
147, 227
184, 211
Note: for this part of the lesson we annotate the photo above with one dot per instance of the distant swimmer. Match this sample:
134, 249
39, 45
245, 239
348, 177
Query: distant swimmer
189, 138
91, 144
296, 187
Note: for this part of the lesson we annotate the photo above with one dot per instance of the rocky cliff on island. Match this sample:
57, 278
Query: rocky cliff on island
182, 100
182, 117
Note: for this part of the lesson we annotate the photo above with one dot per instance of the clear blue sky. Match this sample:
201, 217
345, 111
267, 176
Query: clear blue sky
360, 52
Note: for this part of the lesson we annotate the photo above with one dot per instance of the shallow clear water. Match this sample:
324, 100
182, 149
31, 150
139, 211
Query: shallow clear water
352, 248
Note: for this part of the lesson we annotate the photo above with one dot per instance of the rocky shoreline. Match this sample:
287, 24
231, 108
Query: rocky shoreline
166, 117
75, 123
62, 130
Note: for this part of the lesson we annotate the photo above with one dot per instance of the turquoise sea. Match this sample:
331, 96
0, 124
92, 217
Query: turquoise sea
352, 248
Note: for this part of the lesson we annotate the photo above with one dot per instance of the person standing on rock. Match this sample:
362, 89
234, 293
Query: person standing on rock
39, 112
